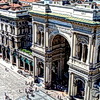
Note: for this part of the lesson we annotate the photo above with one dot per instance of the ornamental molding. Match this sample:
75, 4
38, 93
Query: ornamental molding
59, 29
98, 39
83, 39
40, 27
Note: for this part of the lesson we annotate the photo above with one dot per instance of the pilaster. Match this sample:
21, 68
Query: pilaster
17, 62
11, 57
89, 50
82, 53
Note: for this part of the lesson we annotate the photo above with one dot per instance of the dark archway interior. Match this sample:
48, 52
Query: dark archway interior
21, 62
14, 59
26, 66
8, 53
60, 56
40, 69
80, 89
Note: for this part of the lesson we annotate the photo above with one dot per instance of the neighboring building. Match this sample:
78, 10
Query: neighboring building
16, 35
66, 49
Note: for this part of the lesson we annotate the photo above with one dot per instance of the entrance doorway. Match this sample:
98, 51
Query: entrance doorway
60, 56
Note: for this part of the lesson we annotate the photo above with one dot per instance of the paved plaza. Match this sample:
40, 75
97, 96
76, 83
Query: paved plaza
11, 83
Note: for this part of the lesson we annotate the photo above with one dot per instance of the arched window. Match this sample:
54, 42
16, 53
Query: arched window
1, 26
79, 51
13, 43
6, 41
13, 30
80, 89
85, 53
2, 39
22, 42
39, 38
98, 57
42, 38
6, 28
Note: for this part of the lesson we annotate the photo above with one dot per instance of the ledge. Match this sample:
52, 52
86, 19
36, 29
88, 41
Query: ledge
65, 17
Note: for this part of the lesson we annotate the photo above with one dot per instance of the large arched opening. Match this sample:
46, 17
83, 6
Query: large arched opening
60, 56
80, 89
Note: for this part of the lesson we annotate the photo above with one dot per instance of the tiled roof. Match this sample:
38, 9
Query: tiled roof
5, 6
15, 5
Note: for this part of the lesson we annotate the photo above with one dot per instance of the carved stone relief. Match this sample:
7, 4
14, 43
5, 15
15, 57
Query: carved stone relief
82, 39
40, 27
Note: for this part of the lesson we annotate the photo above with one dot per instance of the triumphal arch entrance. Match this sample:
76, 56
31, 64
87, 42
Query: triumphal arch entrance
66, 52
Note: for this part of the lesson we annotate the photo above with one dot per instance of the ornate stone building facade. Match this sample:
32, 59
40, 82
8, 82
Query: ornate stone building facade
65, 45
16, 35
66, 49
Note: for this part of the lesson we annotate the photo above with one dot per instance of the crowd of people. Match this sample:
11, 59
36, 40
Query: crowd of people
60, 85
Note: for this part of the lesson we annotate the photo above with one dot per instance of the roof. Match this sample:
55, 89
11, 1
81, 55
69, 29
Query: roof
30, 0
66, 17
5, 7
14, 6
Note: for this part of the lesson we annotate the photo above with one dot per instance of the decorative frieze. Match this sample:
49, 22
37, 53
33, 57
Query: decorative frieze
82, 29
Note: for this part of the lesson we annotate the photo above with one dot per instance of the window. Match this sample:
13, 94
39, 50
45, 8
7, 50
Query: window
6, 27
2, 39
79, 51
1, 26
85, 53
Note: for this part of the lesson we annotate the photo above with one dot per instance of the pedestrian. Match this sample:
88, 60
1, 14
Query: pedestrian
58, 97
5, 94
19, 91
35, 89
25, 90
27, 96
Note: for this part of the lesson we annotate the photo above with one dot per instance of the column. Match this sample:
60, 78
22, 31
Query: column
24, 64
48, 74
89, 50
35, 66
35, 33
29, 68
72, 86
11, 57
44, 35
16, 43
74, 47
46, 39
17, 62
87, 91
72, 44
41, 39
69, 85
91, 54
16, 30
82, 52
95, 51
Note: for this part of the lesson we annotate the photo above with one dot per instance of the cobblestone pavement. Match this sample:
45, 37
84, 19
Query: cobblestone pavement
10, 83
